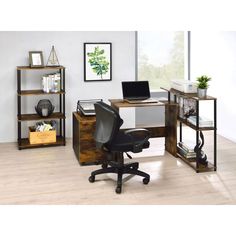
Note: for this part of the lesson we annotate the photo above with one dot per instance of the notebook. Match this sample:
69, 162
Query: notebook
137, 92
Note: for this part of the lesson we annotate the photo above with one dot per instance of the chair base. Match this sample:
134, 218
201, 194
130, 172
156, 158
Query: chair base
120, 170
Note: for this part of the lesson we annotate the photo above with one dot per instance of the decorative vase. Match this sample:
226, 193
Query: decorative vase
202, 93
44, 108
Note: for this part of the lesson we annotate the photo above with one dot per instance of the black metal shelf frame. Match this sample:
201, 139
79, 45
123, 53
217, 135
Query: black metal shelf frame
62, 124
198, 167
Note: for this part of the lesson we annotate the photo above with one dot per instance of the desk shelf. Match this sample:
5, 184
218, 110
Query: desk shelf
195, 163
184, 121
189, 95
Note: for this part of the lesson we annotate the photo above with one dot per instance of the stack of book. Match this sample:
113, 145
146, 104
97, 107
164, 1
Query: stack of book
203, 122
51, 83
186, 151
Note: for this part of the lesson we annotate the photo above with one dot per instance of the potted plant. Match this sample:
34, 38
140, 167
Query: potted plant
202, 85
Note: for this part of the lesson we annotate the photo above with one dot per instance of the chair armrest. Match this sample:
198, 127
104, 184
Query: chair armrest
144, 133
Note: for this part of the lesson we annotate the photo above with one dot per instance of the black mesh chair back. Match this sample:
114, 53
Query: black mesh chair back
108, 122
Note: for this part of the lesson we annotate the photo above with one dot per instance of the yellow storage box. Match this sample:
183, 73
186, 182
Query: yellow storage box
41, 137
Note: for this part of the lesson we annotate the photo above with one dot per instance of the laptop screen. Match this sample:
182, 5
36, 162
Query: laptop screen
135, 90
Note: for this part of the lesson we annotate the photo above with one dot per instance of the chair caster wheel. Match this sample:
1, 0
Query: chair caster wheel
104, 165
91, 179
118, 190
146, 180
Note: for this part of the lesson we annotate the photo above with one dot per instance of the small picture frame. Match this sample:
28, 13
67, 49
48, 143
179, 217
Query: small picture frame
97, 62
36, 59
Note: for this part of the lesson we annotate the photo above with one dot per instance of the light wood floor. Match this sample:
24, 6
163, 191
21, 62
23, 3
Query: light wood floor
53, 176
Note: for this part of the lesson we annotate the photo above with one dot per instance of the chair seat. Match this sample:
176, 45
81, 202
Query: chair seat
125, 143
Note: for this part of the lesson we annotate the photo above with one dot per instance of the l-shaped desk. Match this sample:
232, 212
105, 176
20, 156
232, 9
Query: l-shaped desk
84, 127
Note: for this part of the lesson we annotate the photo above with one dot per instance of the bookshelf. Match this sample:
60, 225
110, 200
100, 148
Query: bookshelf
197, 163
60, 115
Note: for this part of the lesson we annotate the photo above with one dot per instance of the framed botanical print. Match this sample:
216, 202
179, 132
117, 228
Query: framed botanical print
97, 62
36, 59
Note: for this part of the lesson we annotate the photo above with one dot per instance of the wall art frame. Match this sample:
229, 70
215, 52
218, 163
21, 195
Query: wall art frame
97, 61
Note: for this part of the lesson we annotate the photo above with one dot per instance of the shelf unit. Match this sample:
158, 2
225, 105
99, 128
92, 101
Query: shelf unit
194, 162
23, 143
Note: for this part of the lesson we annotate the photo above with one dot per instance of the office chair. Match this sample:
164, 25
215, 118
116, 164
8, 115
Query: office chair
116, 142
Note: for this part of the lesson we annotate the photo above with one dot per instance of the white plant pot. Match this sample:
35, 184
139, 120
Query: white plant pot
202, 93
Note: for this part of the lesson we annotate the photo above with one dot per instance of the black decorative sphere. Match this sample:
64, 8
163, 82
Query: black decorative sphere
44, 108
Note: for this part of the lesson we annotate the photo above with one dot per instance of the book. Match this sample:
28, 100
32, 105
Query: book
186, 147
185, 154
51, 82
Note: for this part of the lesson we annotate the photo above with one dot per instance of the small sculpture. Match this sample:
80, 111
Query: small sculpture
53, 60
44, 108
201, 156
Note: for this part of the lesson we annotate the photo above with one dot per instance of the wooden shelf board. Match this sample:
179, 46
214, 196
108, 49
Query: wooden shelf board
26, 144
28, 117
187, 159
40, 68
184, 121
37, 92
84, 119
210, 167
121, 103
177, 92
204, 99
202, 168
189, 95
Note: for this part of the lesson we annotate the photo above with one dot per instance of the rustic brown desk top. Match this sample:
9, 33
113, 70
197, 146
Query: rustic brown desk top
119, 103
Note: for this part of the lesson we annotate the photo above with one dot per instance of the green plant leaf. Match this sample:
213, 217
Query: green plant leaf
203, 82
98, 61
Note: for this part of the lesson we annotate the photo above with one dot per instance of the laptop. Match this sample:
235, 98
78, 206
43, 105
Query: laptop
137, 92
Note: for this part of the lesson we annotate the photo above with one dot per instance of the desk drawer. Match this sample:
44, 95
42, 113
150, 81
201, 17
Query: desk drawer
83, 142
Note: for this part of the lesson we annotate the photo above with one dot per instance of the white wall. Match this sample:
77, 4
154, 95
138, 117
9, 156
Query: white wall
214, 54
14, 48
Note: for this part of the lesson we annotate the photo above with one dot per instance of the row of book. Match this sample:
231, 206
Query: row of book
185, 150
51, 82
203, 121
